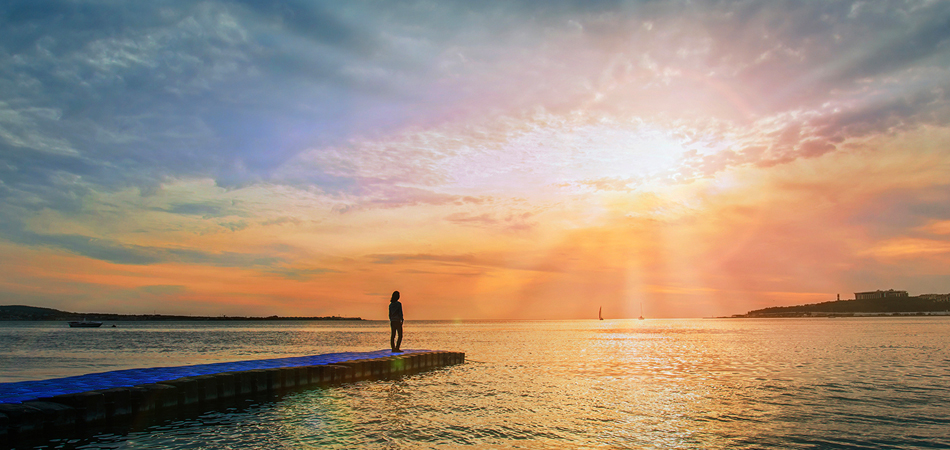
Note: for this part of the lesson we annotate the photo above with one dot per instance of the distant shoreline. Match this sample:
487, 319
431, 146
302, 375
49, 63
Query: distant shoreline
33, 313
875, 307
836, 315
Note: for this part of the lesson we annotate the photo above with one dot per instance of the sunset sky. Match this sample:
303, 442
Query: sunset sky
490, 160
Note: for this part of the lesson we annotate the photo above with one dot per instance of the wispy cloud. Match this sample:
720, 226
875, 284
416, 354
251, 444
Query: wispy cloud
117, 252
622, 148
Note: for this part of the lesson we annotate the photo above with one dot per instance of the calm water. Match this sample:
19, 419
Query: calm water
772, 383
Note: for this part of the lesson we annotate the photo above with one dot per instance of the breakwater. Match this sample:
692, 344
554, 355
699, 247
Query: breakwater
36, 411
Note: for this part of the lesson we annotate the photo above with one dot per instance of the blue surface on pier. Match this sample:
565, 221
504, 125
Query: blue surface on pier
23, 391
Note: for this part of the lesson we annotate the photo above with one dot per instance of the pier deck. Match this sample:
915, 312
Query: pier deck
22, 391
66, 406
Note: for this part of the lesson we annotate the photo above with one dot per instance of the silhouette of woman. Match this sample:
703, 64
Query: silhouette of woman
395, 322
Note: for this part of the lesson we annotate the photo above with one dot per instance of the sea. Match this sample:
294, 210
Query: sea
809, 383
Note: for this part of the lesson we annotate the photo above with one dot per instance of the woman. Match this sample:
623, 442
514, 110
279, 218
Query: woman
395, 322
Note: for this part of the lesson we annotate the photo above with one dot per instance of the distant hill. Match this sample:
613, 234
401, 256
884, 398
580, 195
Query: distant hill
22, 312
852, 307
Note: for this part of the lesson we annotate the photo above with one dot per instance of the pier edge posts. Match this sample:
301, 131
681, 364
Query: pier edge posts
187, 390
4, 430
90, 406
303, 377
226, 387
338, 374
207, 387
142, 402
353, 372
341, 374
243, 383
357, 370
362, 370
377, 369
326, 375
288, 378
258, 380
118, 403
314, 375
56, 417
273, 378
24, 421
153, 398
396, 366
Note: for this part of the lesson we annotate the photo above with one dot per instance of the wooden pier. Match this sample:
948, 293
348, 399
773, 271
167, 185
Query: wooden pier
36, 411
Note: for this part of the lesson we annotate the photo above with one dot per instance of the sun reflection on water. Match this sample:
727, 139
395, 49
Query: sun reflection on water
624, 384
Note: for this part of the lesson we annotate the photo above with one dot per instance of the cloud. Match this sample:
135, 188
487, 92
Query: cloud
918, 34
20, 129
937, 227
163, 289
496, 262
129, 94
431, 272
301, 274
394, 258
611, 184
119, 253
899, 210
282, 221
206, 210
515, 222
185, 89
141, 133
908, 248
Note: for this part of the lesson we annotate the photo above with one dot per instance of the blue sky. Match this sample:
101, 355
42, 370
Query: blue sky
334, 150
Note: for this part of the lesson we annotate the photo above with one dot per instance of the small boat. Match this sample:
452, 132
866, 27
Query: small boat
600, 313
84, 324
641, 310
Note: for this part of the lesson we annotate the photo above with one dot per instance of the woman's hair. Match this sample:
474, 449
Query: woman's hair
395, 296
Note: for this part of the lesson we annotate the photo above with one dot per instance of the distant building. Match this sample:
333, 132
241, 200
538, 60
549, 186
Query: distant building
936, 297
890, 293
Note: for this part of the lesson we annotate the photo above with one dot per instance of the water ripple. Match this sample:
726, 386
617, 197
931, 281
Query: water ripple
717, 384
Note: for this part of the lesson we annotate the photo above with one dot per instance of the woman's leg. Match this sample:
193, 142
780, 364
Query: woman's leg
399, 340
392, 337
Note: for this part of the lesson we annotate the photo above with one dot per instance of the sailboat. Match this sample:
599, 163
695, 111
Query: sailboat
641, 310
600, 313
85, 324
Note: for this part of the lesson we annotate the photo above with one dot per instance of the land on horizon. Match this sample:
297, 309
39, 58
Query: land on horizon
34, 313
875, 306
